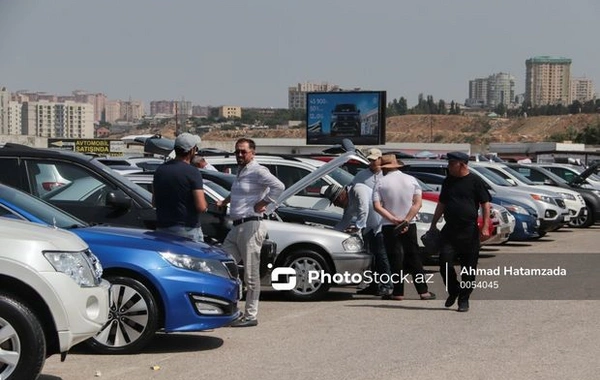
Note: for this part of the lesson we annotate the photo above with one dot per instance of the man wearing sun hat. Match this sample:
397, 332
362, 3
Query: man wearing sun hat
179, 191
461, 196
397, 198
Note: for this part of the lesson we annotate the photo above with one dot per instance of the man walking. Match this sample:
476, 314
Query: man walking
179, 191
397, 198
253, 189
461, 196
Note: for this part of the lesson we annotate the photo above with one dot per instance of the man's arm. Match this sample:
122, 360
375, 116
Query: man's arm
417, 202
200, 200
274, 185
385, 213
439, 211
485, 228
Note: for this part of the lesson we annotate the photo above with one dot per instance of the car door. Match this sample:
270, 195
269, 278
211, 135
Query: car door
81, 192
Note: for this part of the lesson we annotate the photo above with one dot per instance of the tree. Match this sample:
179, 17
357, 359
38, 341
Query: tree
402, 106
500, 109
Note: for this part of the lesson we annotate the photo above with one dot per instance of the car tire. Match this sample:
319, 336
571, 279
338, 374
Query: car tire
133, 318
303, 262
22, 334
583, 221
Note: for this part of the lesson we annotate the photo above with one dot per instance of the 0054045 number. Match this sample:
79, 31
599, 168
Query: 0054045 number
479, 284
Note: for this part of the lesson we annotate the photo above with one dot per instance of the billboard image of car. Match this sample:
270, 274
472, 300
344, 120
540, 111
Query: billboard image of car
333, 116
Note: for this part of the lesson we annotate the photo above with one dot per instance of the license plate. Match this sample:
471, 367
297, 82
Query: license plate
567, 218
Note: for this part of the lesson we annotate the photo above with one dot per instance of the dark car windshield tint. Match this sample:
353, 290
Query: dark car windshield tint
40, 209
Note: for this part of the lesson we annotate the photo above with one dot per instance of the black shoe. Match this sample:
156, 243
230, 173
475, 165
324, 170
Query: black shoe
369, 290
244, 322
450, 300
463, 306
431, 296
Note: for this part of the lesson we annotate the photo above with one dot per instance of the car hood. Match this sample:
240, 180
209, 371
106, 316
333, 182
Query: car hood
580, 178
147, 240
17, 232
320, 172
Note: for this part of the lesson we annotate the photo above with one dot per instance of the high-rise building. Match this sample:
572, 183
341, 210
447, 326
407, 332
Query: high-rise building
53, 119
124, 110
582, 89
477, 93
4, 100
297, 94
548, 80
496, 89
500, 89
165, 107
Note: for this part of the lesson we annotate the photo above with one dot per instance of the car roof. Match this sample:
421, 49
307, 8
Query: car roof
23, 150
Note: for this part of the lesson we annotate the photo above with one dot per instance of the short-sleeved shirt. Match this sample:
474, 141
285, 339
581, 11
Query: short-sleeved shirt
461, 197
174, 183
395, 191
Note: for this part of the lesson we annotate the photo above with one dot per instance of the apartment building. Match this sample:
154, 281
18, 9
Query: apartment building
4, 100
582, 89
496, 89
230, 112
548, 80
124, 110
14, 119
53, 119
297, 94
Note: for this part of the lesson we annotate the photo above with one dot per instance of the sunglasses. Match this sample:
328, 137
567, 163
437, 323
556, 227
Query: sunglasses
242, 152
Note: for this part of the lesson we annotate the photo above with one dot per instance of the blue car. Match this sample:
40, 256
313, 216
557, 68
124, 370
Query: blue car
527, 223
159, 281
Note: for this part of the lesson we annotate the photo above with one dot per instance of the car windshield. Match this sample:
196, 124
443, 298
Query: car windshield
125, 181
518, 176
493, 177
39, 209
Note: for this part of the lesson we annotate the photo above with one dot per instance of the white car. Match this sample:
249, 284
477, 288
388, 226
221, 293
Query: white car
573, 200
51, 296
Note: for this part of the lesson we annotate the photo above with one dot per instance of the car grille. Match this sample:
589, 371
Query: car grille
560, 203
232, 268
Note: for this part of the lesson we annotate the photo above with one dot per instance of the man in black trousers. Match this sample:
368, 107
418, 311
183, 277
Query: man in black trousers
461, 196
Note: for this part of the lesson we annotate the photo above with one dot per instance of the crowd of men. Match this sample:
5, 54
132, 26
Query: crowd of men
381, 205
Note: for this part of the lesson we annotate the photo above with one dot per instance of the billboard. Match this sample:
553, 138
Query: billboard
356, 115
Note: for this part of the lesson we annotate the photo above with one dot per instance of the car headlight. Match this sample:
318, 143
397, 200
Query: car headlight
353, 244
424, 217
543, 198
76, 265
568, 196
516, 209
195, 264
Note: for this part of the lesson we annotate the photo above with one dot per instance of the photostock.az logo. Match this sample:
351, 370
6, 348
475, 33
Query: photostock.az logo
283, 278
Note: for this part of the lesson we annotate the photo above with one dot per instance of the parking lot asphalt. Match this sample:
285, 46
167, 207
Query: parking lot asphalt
519, 336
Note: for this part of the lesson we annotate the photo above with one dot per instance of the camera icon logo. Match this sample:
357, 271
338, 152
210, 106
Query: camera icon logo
283, 278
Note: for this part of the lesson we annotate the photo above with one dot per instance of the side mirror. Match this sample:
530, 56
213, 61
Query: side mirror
117, 199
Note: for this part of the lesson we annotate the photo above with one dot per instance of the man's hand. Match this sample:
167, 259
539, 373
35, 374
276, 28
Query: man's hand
484, 233
260, 207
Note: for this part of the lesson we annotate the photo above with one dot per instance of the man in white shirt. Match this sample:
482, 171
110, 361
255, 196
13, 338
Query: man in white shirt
253, 189
372, 174
397, 198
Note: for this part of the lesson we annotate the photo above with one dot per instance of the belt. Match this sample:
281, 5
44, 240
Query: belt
237, 222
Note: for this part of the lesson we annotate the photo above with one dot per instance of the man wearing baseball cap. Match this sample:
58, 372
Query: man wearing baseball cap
179, 191
370, 175
463, 193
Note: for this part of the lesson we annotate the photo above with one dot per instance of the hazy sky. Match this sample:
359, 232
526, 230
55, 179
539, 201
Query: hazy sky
247, 53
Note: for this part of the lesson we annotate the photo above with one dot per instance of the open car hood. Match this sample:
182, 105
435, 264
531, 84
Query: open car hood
323, 170
580, 178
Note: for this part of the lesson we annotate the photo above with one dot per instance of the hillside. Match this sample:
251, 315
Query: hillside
442, 129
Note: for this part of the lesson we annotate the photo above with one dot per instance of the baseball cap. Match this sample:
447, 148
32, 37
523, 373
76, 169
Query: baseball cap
373, 154
459, 156
186, 141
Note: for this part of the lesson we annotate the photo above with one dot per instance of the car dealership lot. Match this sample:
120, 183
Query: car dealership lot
349, 336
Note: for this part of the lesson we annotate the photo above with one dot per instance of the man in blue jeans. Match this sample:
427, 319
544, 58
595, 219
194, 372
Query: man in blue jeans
356, 200
179, 191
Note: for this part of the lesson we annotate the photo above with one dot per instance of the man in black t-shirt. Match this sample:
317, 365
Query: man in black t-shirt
462, 195
179, 191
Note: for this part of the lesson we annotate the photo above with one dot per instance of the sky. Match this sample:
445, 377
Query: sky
247, 53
